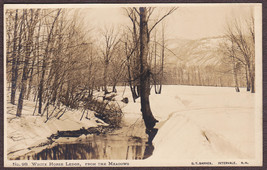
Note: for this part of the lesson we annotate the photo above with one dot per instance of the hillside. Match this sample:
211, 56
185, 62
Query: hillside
199, 52
199, 62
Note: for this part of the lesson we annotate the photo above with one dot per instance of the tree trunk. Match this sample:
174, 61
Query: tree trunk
41, 86
14, 63
252, 78
155, 62
28, 51
235, 75
247, 79
114, 88
134, 95
236, 82
148, 117
162, 59
252, 84
31, 77
105, 77
55, 87
45, 58
36, 55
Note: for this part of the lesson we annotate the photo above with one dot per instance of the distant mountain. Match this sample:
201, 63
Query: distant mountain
199, 52
199, 62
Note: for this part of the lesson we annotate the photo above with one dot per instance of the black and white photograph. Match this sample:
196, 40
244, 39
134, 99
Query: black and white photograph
125, 85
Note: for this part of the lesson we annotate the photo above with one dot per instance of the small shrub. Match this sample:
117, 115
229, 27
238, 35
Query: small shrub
107, 110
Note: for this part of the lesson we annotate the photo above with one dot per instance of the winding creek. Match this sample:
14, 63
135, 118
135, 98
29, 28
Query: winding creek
117, 145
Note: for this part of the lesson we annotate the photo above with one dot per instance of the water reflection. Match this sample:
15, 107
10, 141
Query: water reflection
98, 147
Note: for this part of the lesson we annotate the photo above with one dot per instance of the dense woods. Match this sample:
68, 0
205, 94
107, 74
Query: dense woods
49, 58
54, 60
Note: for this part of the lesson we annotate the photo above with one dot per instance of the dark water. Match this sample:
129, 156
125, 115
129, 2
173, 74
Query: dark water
113, 147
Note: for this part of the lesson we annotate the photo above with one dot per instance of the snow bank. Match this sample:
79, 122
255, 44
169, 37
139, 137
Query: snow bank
29, 130
204, 123
198, 122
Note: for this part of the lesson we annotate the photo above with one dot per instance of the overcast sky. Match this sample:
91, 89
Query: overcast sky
189, 21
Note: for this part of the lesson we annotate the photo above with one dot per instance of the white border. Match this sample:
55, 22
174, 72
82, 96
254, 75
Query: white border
258, 104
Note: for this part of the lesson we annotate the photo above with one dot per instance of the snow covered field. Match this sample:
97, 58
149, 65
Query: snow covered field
195, 123
202, 123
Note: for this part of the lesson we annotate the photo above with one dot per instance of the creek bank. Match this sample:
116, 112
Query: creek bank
109, 146
76, 133
54, 138
33, 130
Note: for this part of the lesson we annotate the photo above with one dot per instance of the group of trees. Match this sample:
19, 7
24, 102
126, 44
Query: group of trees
239, 49
53, 59
48, 57
154, 53
202, 76
231, 58
143, 57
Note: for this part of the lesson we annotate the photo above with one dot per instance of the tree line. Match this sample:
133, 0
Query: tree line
234, 54
46, 54
239, 47
53, 59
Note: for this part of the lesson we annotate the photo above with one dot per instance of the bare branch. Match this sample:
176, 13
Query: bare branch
164, 16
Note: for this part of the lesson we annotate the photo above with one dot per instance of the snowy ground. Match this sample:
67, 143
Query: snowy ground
201, 123
195, 123
31, 130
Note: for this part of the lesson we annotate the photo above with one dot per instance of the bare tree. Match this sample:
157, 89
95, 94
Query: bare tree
158, 73
111, 41
235, 69
31, 23
242, 36
132, 49
145, 71
118, 64
14, 60
230, 51
44, 62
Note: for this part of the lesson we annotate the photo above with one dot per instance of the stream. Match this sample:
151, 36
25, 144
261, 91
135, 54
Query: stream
110, 146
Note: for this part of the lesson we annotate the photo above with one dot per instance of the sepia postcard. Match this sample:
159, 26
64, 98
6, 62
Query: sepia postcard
125, 85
